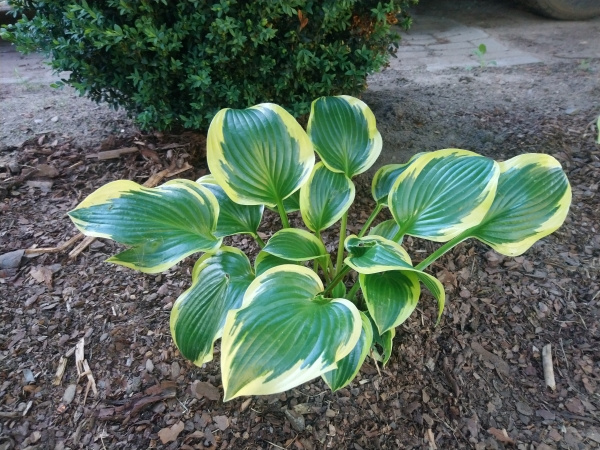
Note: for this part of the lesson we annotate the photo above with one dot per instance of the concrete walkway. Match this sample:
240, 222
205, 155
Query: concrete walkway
437, 43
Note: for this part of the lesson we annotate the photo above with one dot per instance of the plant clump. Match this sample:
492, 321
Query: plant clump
288, 316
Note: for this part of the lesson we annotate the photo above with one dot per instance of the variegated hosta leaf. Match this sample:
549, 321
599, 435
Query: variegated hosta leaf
374, 254
290, 204
295, 245
443, 193
385, 178
259, 155
233, 217
387, 229
325, 198
532, 201
265, 261
162, 225
219, 281
349, 365
391, 297
344, 133
285, 334
385, 341
339, 291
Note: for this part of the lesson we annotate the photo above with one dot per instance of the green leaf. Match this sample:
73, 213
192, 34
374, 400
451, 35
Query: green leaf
344, 133
373, 254
295, 245
532, 201
385, 177
219, 281
339, 291
285, 333
325, 198
391, 297
443, 193
387, 229
385, 341
162, 225
349, 365
265, 261
290, 204
259, 155
233, 217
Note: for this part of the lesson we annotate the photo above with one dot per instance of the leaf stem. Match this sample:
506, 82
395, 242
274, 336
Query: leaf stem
399, 235
283, 214
339, 277
370, 220
325, 266
340, 255
443, 250
352, 293
258, 240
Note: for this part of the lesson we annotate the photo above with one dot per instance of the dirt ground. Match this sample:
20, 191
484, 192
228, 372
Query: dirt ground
474, 382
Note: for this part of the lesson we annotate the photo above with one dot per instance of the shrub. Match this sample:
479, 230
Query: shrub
288, 317
172, 63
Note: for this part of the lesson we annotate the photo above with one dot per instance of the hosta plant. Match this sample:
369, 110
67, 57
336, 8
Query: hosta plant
293, 313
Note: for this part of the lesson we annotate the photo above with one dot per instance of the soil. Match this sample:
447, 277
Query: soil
475, 381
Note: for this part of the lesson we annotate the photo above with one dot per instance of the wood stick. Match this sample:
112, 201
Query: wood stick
60, 371
81, 247
548, 367
60, 248
118, 152
111, 154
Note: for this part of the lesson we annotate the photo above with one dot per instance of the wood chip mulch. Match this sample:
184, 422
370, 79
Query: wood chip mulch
86, 359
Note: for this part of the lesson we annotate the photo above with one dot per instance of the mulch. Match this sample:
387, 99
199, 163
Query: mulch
475, 381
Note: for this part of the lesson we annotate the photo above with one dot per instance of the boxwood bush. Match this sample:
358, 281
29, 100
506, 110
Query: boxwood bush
176, 63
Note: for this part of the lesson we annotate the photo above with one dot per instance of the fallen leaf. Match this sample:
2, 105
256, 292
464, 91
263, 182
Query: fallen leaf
170, 434
575, 406
303, 408
46, 171
501, 435
222, 422
42, 274
203, 389
296, 420
473, 426
524, 408
545, 414
150, 154
501, 366
19, 334
44, 186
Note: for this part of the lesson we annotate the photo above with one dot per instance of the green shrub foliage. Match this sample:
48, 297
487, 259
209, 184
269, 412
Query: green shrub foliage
171, 63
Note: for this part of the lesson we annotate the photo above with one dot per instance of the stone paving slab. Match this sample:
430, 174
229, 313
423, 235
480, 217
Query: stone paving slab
438, 43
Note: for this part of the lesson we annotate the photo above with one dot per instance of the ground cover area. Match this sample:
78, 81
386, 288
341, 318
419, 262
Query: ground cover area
474, 382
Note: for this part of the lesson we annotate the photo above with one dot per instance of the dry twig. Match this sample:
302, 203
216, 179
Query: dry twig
548, 369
